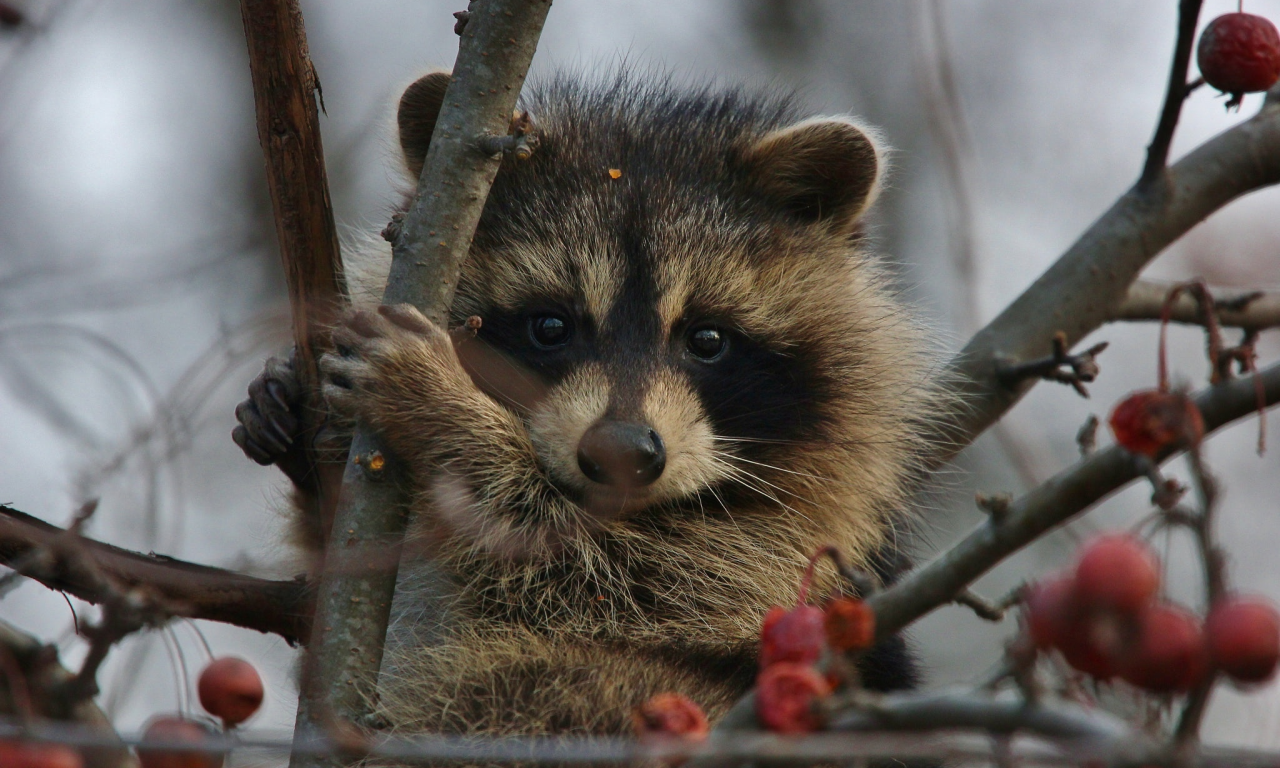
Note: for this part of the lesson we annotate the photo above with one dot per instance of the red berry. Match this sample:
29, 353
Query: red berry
1117, 571
230, 689
19, 754
1049, 609
1149, 421
1244, 638
1093, 642
796, 635
785, 697
1168, 653
850, 624
177, 731
1239, 53
670, 714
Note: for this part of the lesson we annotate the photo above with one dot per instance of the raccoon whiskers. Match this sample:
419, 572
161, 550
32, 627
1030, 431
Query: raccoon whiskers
734, 457
744, 477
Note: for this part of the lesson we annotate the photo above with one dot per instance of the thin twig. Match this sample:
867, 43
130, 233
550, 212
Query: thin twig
1060, 366
1251, 310
1213, 563
1079, 292
1175, 93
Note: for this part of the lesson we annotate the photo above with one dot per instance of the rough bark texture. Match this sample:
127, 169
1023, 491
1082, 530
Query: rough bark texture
202, 592
284, 92
355, 594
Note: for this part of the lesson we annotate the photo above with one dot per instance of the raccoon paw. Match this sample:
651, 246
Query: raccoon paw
373, 347
269, 418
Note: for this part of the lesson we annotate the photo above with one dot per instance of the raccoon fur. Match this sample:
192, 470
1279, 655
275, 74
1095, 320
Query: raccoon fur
689, 376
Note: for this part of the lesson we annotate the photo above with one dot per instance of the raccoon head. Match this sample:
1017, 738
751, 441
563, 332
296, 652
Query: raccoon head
674, 298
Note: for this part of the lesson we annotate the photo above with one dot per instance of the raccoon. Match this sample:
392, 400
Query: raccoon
689, 375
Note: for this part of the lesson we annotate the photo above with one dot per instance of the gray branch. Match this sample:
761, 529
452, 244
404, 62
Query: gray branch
1059, 499
1250, 310
1080, 291
354, 599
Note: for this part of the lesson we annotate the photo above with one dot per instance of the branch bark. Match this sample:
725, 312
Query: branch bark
1250, 310
1080, 291
1175, 93
284, 91
355, 594
1059, 499
199, 591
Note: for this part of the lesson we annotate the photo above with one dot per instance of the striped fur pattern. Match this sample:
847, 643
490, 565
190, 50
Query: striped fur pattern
648, 212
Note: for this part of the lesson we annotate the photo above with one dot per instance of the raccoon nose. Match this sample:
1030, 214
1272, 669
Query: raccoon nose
621, 454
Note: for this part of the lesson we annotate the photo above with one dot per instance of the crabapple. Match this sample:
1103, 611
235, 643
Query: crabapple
1117, 571
786, 693
1239, 53
670, 714
1243, 635
1149, 421
850, 624
1168, 654
176, 730
230, 689
796, 635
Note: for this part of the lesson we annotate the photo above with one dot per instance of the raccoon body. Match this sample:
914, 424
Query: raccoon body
689, 376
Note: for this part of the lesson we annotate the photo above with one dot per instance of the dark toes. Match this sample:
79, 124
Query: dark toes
259, 430
251, 449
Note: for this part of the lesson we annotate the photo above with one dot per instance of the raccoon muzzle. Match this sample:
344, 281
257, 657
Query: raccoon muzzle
621, 454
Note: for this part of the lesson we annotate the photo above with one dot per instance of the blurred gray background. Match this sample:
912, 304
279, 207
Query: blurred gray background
140, 289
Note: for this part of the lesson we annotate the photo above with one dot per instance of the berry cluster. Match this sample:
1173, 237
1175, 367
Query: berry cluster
230, 689
793, 642
1105, 617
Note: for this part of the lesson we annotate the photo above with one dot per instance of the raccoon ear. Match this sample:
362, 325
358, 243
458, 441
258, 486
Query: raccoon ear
416, 118
824, 170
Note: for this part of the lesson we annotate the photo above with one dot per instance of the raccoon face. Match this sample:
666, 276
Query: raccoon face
672, 297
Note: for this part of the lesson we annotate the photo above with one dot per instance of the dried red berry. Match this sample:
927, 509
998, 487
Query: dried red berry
1239, 53
786, 695
670, 714
177, 731
850, 624
1168, 654
230, 689
1243, 635
1117, 571
1049, 606
18, 754
1150, 421
796, 635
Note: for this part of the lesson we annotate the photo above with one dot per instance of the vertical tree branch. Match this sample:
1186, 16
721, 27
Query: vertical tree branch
354, 600
1175, 93
284, 88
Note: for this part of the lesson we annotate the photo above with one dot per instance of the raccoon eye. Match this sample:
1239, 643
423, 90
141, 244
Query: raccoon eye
549, 331
707, 343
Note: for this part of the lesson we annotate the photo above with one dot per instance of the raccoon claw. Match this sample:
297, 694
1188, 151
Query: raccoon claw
366, 339
268, 422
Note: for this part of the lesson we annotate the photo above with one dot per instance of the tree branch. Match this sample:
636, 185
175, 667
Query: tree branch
1250, 310
1078, 293
284, 92
355, 594
1059, 499
196, 591
1175, 93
